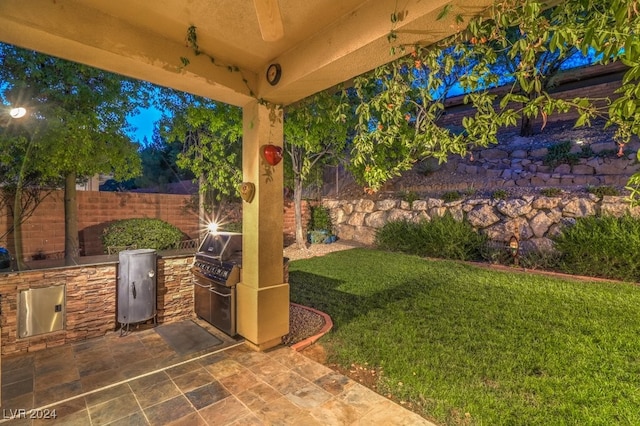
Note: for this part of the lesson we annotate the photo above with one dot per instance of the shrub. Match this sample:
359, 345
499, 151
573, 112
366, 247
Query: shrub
409, 196
601, 191
451, 196
499, 194
560, 153
496, 252
544, 260
551, 192
603, 246
441, 237
427, 166
142, 233
320, 219
470, 191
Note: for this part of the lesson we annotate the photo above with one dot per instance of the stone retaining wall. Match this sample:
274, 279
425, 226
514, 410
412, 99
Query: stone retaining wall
533, 219
521, 165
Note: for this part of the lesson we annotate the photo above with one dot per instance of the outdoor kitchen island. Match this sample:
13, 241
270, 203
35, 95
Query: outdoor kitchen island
90, 303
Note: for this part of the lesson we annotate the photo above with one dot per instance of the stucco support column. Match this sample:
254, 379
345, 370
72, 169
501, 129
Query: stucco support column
262, 296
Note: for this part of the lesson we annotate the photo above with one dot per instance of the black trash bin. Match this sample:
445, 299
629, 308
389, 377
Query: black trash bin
5, 258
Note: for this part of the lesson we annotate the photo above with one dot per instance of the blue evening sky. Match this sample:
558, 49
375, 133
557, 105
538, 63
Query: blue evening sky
144, 123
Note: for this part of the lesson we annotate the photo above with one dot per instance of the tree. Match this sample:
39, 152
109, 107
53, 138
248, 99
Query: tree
159, 163
399, 106
548, 64
22, 187
210, 134
391, 133
81, 114
315, 135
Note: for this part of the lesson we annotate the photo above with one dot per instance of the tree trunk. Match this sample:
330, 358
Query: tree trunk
71, 245
526, 127
202, 214
17, 213
301, 241
17, 227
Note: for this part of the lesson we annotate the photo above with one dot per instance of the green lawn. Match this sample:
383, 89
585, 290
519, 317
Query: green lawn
506, 348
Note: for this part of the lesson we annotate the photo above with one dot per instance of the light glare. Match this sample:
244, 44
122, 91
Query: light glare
17, 112
212, 227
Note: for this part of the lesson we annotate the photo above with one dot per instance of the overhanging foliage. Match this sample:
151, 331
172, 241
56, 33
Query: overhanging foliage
400, 103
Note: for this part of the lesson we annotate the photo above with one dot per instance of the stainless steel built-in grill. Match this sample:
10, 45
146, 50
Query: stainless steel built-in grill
216, 271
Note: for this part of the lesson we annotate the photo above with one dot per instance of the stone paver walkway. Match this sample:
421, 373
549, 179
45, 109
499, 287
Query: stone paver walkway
140, 380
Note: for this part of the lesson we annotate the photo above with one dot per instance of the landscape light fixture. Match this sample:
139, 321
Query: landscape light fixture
514, 247
9, 114
17, 112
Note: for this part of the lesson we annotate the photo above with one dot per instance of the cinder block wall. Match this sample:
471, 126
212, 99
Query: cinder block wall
289, 218
43, 232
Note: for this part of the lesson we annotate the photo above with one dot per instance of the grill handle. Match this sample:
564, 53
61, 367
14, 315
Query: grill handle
199, 275
200, 285
218, 293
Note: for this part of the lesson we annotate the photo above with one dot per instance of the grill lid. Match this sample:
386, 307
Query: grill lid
221, 246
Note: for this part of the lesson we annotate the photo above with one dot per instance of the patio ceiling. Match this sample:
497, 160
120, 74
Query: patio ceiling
317, 43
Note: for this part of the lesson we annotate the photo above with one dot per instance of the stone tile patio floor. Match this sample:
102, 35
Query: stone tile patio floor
138, 379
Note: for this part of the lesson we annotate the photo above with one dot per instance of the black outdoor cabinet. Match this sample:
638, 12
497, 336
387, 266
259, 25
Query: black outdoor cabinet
136, 295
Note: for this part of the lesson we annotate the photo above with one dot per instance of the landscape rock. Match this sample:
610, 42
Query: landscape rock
540, 224
494, 154
376, 219
482, 217
356, 219
365, 205
419, 205
386, 204
395, 215
514, 208
579, 207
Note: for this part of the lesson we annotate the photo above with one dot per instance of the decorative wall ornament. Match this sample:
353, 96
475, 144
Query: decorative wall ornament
272, 154
247, 191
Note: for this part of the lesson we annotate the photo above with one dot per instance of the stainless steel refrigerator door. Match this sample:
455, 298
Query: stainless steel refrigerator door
41, 310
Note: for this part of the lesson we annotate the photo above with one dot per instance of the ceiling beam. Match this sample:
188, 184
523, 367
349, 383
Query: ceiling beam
96, 39
358, 43
269, 19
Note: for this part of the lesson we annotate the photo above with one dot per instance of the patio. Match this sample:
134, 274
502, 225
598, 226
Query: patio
139, 379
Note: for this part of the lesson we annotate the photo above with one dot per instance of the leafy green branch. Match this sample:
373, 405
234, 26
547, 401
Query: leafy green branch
191, 40
518, 45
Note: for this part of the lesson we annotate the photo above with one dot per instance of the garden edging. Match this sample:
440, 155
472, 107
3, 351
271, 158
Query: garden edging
328, 325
